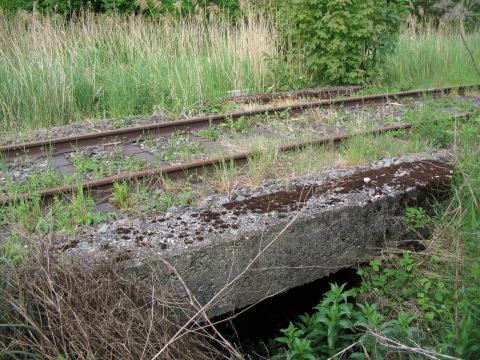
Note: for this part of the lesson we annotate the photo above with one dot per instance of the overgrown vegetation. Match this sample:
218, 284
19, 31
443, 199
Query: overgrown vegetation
54, 72
104, 164
428, 56
145, 198
424, 304
68, 311
342, 41
149, 8
172, 56
36, 216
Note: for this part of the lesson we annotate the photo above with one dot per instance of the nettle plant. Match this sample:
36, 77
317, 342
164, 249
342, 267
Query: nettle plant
342, 41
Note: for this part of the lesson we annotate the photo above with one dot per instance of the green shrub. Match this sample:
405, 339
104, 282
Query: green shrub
148, 7
338, 324
342, 41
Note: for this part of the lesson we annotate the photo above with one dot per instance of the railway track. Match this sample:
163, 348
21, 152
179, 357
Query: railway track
136, 133
125, 137
189, 168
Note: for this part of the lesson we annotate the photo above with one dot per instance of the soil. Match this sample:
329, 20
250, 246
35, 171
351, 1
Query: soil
421, 174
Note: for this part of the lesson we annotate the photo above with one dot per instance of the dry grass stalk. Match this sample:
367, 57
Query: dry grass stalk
97, 312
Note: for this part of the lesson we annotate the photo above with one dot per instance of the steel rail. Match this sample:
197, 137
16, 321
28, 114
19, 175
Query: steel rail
131, 134
322, 93
184, 170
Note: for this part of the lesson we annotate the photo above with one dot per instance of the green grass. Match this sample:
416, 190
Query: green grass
106, 164
96, 66
141, 198
53, 72
431, 58
35, 216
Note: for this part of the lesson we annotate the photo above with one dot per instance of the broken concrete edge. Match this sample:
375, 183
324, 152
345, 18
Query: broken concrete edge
242, 251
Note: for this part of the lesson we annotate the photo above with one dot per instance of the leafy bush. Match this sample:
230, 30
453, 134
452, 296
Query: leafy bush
337, 324
342, 41
149, 7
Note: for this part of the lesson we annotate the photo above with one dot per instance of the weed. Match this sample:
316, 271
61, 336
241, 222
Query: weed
34, 216
143, 198
211, 107
101, 165
92, 313
416, 218
181, 148
261, 166
238, 125
334, 327
122, 195
429, 56
208, 133
13, 249
35, 182
225, 176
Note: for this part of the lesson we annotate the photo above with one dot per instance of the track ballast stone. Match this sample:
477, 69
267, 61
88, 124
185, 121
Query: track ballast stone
296, 233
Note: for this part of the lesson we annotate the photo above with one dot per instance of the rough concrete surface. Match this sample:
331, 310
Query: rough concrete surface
296, 233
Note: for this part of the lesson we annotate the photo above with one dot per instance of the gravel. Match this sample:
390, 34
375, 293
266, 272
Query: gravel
20, 170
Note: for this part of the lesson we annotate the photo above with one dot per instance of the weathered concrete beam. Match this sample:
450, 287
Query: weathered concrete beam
284, 236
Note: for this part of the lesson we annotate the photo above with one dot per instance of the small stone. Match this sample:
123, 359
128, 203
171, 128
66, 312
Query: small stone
366, 180
103, 228
188, 241
223, 201
122, 222
104, 244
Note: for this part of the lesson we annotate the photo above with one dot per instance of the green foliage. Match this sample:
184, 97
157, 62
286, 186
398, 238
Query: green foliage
211, 107
33, 216
142, 199
236, 125
122, 195
416, 218
342, 41
429, 300
364, 148
35, 182
431, 57
432, 123
147, 7
101, 164
337, 324
180, 148
12, 249
208, 133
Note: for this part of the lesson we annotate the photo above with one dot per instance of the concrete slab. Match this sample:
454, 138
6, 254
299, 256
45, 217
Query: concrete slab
272, 239
137, 152
62, 165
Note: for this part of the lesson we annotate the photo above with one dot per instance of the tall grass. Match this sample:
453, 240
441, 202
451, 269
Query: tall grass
54, 72
427, 57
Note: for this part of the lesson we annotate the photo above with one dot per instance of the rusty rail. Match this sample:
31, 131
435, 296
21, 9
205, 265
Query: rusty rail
131, 134
184, 170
